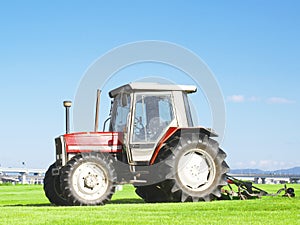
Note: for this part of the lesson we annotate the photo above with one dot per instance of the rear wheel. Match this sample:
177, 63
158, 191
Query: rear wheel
52, 188
153, 193
197, 169
88, 179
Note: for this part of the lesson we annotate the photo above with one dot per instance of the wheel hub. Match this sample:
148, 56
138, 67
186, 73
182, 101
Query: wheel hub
195, 170
91, 181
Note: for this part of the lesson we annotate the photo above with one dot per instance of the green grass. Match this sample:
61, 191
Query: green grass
26, 204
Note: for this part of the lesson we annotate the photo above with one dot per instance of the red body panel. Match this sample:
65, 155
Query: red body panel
94, 141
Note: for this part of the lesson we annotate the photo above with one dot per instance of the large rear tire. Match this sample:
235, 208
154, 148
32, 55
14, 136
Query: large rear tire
153, 193
88, 179
52, 188
197, 169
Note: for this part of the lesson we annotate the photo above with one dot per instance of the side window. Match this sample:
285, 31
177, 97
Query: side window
153, 114
188, 110
121, 110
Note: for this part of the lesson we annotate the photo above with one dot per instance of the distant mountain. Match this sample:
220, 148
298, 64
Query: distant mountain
247, 171
294, 170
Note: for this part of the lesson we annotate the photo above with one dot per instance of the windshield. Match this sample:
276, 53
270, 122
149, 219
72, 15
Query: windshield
120, 111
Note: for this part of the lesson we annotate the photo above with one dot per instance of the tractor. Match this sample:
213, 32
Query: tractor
149, 141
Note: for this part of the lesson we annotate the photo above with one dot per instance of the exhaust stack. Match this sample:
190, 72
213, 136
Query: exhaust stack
67, 105
97, 111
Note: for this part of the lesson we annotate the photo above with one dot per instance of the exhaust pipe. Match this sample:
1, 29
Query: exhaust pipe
97, 111
67, 105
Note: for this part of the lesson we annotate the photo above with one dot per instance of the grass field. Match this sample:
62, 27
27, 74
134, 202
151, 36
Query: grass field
26, 204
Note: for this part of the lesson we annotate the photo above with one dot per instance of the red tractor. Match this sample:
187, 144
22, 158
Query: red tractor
151, 143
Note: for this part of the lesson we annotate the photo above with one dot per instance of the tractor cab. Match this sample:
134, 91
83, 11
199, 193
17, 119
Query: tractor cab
145, 112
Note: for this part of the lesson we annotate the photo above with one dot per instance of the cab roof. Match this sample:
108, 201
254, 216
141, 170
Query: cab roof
147, 86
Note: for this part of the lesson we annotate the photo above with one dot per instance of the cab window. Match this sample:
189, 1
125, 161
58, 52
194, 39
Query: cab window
152, 115
120, 111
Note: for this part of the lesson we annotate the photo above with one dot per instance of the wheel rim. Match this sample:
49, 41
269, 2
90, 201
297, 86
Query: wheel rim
90, 181
196, 170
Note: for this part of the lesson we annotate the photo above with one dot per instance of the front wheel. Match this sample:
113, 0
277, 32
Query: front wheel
88, 179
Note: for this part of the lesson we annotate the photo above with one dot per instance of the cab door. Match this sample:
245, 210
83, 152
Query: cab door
153, 114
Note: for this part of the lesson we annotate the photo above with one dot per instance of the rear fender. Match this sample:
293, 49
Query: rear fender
172, 138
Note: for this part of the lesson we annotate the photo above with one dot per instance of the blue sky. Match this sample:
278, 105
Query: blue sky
252, 47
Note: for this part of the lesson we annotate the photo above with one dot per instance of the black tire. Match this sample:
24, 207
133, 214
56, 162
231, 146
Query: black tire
153, 193
290, 192
52, 188
197, 169
88, 179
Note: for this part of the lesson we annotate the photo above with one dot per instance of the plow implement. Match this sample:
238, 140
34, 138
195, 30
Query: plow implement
246, 190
